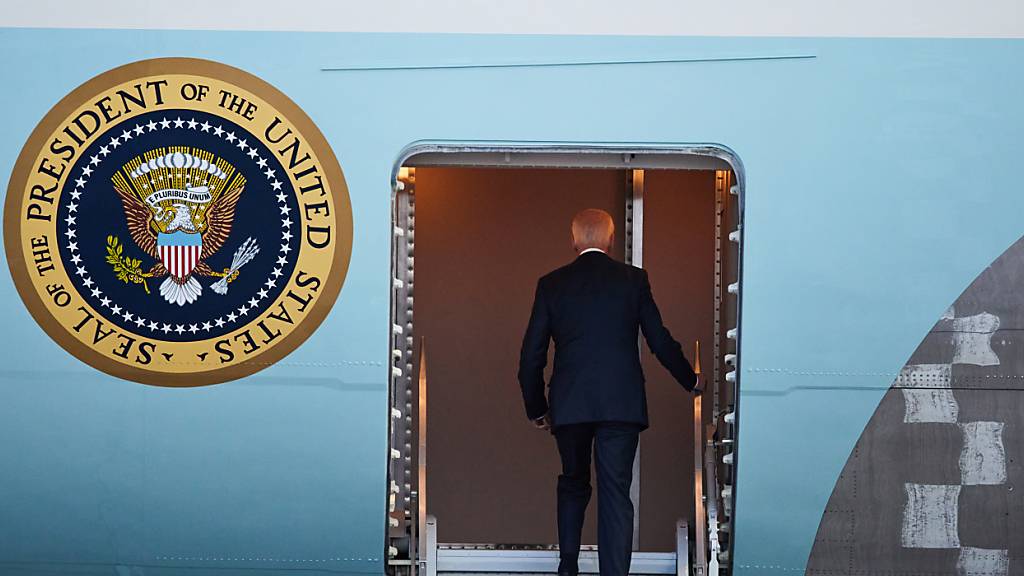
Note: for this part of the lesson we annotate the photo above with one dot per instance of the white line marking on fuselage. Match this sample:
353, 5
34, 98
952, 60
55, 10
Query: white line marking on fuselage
982, 562
930, 517
926, 394
930, 406
972, 339
983, 459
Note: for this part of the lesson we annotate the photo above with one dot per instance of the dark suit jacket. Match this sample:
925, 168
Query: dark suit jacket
593, 309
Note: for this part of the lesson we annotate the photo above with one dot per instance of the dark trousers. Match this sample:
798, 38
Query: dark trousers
614, 447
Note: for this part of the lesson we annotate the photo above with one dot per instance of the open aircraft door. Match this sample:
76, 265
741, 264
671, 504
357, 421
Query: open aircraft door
413, 543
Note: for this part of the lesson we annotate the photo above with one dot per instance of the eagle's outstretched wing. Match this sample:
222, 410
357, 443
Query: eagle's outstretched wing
140, 220
218, 221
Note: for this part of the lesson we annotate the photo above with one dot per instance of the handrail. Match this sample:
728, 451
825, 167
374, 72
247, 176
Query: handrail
423, 545
710, 471
700, 548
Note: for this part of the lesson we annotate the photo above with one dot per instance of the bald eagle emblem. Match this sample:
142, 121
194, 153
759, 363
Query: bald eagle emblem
179, 204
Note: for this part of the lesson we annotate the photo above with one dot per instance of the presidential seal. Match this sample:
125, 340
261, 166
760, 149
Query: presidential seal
177, 222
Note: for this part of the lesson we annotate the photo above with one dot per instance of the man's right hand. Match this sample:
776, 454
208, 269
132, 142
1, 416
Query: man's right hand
543, 423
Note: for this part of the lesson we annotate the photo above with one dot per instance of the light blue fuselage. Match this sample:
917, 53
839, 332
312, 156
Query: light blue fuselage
880, 180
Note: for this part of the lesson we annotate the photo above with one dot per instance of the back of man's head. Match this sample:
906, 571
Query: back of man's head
592, 228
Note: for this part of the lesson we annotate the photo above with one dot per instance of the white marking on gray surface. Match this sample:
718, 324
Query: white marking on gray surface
930, 517
983, 562
972, 339
983, 459
930, 405
949, 314
924, 376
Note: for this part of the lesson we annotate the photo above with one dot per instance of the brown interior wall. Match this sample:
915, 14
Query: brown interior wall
483, 238
679, 257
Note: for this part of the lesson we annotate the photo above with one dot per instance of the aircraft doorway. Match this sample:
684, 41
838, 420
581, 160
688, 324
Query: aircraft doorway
473, 483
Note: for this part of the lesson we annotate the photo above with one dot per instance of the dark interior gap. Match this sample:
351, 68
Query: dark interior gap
483, 237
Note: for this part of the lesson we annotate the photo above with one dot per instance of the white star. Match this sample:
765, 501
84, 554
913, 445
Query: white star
70, 233
281, 197
242, 144
219, 322
252, 152
243, 310
72, 207
106, 302
270, 283
94, 160
253, 302
166, 328
286, 235
193, 328
192, 124
114, 142
139, 129
285, 209
126, 135
276, 272
104, 150
75, 194
117, 310
232, 317
88, 282
275, 185
151, 126
269, 173
262, 163
218, 131
231, 137
205, 126
87, 171
285, 248
75, 259
179, 328
178, 122
70, 220
282, 261
286, 222
263, 293
165, 123
96, 292
152, 325
207, 326
80, 271
140, 321
72, 246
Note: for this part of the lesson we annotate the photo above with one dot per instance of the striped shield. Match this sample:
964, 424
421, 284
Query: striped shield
179, 251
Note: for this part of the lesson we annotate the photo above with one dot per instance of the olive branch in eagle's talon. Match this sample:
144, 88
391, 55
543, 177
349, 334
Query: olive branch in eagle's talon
128, 270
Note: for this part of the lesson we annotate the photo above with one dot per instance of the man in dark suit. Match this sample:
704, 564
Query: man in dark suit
594, 309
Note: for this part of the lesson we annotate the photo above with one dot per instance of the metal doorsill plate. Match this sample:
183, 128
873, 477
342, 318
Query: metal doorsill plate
492, 546
519, 561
